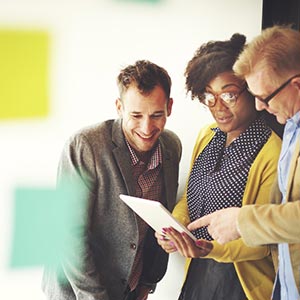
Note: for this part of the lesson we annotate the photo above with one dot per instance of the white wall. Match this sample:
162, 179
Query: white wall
90, 41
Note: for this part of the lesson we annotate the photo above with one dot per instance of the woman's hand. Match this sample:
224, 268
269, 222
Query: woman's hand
165, 243
186, 246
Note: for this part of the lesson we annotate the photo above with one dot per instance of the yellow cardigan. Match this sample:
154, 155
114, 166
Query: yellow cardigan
253, 264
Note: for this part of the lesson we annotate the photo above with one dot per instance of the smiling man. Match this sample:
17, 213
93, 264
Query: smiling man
271, 66
118, 257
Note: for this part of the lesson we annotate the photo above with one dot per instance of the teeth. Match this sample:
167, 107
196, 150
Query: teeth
146, 137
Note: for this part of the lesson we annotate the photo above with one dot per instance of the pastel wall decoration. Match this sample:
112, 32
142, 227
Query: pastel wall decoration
24, 74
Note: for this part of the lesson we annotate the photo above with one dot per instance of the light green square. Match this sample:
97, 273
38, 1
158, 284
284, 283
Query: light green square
43, 221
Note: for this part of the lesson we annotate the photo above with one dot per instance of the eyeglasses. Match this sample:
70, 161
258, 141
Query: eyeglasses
229, 98
272, 95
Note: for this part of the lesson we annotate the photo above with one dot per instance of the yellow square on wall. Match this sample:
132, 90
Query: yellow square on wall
24, 59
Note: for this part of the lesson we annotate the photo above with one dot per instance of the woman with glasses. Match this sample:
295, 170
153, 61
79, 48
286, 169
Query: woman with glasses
233, 164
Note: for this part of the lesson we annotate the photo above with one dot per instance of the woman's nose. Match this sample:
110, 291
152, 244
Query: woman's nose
220, 105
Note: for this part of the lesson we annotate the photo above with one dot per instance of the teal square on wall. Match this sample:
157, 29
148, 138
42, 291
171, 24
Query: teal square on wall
43, 220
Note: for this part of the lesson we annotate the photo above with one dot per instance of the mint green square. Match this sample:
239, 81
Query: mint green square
43, 219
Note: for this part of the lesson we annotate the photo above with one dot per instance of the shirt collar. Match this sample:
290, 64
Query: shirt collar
296, 119
292, 124
256, 132
155, 160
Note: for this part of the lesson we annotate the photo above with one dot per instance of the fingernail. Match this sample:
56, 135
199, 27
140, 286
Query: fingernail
198, 243
172, 245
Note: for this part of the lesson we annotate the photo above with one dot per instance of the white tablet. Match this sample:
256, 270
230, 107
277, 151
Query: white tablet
155, 214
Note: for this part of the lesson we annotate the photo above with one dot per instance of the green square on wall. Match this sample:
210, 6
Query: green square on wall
43, 225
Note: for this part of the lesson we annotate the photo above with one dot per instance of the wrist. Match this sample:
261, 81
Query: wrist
238, 227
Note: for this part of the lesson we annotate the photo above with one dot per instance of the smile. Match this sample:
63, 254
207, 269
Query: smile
223, 119
145, 137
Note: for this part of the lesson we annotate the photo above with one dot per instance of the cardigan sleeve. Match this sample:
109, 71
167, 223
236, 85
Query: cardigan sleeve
236, 251
181, 212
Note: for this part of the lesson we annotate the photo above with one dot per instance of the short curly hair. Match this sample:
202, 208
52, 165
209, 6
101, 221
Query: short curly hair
146, 76
211, 59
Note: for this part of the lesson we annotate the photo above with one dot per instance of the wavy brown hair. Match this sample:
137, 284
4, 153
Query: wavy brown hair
146, 76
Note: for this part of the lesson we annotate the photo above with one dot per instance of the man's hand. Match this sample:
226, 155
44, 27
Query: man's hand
186, 246
221, 225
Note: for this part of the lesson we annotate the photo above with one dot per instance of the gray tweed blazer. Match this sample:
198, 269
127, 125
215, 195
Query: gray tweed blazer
104, 249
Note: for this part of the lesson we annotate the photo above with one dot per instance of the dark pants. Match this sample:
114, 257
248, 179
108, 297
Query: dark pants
130, 295
210, 280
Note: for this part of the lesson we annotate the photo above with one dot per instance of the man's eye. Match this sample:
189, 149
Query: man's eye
136, 116
157, 116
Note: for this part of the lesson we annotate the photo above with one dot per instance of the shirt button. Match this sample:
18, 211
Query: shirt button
133, 246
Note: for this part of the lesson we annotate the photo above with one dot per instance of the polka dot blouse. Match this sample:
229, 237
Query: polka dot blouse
219, 174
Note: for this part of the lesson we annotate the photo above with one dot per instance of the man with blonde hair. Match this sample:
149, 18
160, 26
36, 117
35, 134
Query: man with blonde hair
270, 64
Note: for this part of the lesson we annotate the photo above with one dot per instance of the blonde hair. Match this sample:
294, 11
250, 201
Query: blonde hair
277, 49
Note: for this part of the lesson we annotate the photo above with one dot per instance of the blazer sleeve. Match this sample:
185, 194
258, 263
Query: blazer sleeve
270, 223
76, 167
274, 223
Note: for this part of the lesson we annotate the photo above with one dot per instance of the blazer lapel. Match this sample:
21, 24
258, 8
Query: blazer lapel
123, 160
169, 175
122, 156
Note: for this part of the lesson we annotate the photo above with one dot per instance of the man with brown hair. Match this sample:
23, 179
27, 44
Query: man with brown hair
115, 255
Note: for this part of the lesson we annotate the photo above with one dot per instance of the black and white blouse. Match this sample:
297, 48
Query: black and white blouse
219, 174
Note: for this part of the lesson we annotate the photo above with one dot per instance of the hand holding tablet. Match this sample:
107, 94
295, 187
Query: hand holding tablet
155, 214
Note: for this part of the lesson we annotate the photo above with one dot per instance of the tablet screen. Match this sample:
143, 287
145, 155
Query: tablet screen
155, 214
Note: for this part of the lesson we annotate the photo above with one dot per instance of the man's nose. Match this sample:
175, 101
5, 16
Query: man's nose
146, 125
259, 105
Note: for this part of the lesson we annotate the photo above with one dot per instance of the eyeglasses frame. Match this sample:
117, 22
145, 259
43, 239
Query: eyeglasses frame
217, 95
273, 94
